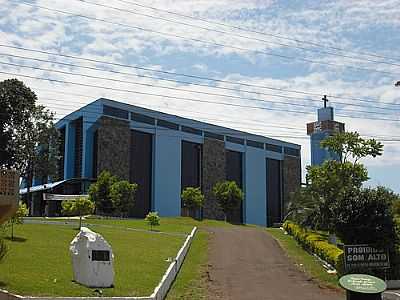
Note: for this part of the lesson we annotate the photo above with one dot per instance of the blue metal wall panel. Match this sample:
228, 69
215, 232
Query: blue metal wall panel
87, 150
255, 186
167, 173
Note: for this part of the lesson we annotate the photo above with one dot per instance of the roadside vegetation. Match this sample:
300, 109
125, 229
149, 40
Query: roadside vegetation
335, 202
303, 259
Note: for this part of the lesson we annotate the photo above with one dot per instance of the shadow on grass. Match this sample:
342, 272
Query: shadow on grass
2, 284
16, 239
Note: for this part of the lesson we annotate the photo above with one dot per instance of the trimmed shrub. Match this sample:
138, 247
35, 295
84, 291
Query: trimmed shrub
316, 243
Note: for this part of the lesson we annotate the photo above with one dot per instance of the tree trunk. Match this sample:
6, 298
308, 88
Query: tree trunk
28, 193
12, 230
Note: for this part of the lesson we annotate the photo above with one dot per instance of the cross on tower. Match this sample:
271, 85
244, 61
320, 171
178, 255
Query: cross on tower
325, 100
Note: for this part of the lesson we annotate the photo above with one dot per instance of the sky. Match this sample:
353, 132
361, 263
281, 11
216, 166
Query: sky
259, 66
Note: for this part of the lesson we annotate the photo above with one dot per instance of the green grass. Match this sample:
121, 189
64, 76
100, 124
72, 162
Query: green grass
172, 225
306, 262
189, 283
39, 262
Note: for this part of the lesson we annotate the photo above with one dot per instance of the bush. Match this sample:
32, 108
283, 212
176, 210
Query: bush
228, 195
122, 194
78, 207
316, 243
153, 219
192, 197
99, 192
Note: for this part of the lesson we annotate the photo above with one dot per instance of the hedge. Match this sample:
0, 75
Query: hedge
316, 243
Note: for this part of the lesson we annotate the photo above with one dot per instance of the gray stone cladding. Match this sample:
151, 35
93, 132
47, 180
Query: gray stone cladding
213, 172
291, 179
113, 143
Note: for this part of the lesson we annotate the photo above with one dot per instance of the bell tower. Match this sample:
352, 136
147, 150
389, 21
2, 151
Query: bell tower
320, 130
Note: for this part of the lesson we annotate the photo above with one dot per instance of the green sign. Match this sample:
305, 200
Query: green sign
361, 283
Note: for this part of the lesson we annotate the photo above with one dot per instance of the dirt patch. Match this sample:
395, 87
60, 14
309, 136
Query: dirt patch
247, 263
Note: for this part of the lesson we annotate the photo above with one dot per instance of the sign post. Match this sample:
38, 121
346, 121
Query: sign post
9, 194
362, 287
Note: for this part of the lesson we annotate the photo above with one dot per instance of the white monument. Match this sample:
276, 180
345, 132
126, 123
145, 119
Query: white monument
92, 259
9, 194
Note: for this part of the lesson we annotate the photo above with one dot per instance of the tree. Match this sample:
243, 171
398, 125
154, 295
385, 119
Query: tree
3, 249
78, 207
152, 219
16, 104
29, 137
122, 194
100, 192
367, 218
192, 198
228, 195
336, 181
17, 218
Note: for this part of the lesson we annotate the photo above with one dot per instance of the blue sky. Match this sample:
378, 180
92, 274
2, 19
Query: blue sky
366, 31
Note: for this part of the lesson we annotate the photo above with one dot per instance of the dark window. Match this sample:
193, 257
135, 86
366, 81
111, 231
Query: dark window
167, 124
95, 152
292, 151
141, 162
274, 191
233, 167
142, 118
78, 123
213, 135
273, 148
115, 112
255, 144
61, 151
100, 255
191, 130
235, 140
190, 165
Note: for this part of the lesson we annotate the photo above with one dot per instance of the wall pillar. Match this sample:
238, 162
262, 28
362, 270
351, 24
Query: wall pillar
113, 147
213, 172
291, 170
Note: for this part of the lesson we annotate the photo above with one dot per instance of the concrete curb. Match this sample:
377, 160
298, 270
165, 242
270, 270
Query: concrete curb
160, 292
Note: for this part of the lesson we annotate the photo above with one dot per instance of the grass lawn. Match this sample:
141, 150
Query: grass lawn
172, 225
39, 262
304, 260
190, 282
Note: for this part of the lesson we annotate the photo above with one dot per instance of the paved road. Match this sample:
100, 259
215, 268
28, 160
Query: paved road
247, 263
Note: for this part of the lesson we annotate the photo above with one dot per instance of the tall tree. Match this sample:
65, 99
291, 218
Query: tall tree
16, 104
30, 134
334, 182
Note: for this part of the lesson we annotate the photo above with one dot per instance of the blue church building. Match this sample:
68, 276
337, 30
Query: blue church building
164, 153
318, 131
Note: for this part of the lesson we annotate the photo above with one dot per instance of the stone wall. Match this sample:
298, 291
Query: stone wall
113, 143
213, 170
291, 178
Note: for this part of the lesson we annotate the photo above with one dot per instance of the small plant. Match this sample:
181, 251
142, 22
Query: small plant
78, 207
228, 195
192, 199
17, 218
153, 219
